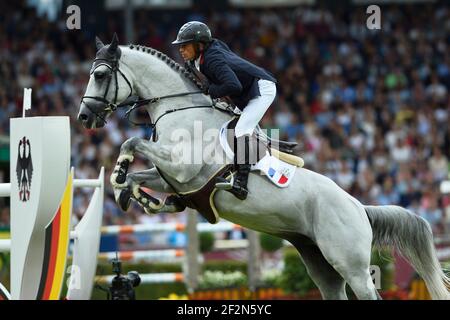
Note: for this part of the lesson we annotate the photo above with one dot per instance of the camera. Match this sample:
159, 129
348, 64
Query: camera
122, 287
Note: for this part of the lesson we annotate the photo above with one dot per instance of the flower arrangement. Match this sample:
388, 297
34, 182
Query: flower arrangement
271, 277
174, 296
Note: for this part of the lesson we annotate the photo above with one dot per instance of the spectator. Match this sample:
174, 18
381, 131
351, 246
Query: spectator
438, 164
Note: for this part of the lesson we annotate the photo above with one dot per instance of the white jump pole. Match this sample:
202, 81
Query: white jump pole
165, 227
5, 245
148, 278
5, 189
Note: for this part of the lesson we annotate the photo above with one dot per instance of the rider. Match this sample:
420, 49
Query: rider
251, 88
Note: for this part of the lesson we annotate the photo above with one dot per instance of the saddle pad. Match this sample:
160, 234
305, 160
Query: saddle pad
277, 171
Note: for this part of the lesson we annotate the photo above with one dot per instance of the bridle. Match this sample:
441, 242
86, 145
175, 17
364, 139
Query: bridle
113, 65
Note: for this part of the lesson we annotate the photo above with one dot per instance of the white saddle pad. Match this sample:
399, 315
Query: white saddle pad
277, 171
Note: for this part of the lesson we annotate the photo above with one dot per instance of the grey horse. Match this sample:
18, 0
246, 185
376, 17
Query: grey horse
333, 232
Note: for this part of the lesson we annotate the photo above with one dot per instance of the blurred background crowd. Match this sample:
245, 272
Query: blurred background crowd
370, 108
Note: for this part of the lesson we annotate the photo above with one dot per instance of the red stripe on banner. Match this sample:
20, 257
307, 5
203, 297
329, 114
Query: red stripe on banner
53, 254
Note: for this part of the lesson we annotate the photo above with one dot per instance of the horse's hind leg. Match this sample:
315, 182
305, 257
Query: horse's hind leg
352, 261
328, 280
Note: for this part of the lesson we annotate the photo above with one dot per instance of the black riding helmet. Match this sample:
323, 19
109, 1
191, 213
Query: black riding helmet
193, 31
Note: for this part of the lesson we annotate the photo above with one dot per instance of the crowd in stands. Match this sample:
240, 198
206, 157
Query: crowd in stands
370, 108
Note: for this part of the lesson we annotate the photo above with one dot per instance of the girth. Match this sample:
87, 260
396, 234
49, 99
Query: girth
200, 199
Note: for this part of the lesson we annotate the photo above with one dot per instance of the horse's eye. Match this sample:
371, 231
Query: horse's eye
99, 75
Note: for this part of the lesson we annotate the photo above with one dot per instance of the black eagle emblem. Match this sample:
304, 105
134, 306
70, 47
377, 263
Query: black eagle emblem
24, 169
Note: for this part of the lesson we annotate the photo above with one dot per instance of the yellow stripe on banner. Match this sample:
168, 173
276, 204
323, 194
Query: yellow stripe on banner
5, 235
63, 243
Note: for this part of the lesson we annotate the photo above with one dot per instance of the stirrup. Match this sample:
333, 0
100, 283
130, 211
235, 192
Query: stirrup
224, 184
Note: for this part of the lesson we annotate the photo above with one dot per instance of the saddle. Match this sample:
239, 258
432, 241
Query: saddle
202, 199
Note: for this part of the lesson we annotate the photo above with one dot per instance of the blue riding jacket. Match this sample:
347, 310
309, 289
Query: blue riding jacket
231, 75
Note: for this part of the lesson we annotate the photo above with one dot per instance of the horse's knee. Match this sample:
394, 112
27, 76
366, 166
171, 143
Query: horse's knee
129, 145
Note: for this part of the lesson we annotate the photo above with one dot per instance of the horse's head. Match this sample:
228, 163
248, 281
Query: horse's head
108, 86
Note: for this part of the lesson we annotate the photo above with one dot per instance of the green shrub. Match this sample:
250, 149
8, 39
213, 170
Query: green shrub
294, 278
385, 261
225, 266
270, 243
5, 260
206, 241
271, 278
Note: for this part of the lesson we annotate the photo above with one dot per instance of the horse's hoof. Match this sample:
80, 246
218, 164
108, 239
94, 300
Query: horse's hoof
124, 199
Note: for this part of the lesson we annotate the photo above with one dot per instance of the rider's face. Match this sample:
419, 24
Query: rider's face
187, 51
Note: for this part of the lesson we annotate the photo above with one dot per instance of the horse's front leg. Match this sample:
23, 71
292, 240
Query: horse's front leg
150, 179
167, 158
125, 187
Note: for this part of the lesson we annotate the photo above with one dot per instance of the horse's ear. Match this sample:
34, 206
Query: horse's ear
98, 43
114, 43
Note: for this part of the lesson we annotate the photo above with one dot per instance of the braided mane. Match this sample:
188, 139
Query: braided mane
169, 61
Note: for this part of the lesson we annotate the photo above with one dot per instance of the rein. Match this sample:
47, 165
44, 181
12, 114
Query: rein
136, 103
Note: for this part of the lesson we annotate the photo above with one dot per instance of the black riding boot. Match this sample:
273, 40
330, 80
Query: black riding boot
242, 166
239, 188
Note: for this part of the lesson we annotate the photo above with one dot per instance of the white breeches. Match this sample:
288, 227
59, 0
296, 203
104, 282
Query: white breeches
256, 108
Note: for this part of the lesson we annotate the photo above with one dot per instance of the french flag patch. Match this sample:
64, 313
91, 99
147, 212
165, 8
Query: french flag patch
278, 172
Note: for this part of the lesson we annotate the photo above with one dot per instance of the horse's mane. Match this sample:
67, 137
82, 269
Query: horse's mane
169, 61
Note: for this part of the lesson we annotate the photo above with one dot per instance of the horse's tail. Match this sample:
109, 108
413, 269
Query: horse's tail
412, 236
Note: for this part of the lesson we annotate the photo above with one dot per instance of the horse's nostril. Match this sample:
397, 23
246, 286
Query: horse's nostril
82, 117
